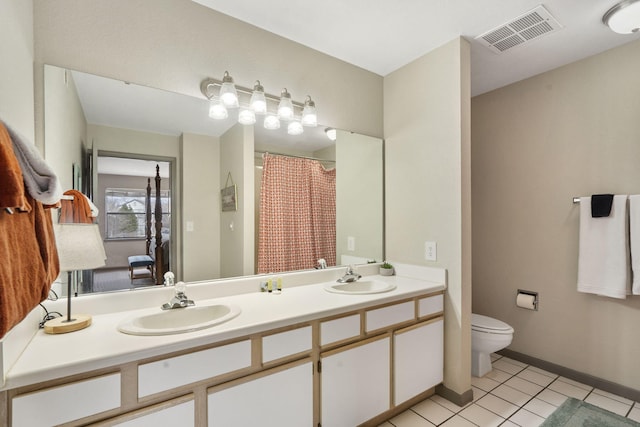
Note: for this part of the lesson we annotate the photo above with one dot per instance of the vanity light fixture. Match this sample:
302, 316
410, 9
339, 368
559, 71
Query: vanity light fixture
258, 102
624, 17
225, 94
294, 128
309, 116
331, 133
285, 107
228, 93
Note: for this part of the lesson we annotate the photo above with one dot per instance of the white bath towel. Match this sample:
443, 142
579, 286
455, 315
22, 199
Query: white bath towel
603, 261
634, 241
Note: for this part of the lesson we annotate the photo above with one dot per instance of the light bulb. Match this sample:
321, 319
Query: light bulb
246, 116
271, 122
285, 108
331, 133
258, 101
217, 110
294, 128
309, 116
228, 93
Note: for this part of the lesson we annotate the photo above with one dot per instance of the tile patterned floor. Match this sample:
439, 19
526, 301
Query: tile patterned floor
512, 394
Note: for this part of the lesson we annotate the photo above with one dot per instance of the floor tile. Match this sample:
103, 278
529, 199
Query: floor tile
635, 413
409, 419
432, 411
507, 367
613, 396
447, 404
498, 375
497, 405
540, 407
543, 372
608, 404
457, 421
524, 386
477, 393
531, 375
511, 395
508, 424
552, 397
568, 389
525, 418
480, 416
494, 357
484, 383
386, 424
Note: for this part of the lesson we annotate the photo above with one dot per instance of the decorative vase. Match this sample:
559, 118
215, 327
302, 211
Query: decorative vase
386, 271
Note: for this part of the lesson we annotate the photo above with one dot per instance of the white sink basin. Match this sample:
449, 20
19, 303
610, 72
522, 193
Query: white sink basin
360, 287
180, 320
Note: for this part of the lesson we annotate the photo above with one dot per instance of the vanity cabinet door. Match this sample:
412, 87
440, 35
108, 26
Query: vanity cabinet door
355, 382
418, 359
174, 413
283, 398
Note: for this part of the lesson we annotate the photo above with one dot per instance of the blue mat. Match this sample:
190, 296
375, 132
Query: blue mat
576, 413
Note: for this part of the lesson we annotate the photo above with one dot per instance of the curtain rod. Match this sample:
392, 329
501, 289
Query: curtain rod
296, 157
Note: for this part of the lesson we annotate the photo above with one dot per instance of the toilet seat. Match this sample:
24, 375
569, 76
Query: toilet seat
489, 325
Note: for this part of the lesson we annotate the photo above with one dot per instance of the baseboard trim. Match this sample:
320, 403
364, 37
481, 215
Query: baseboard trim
452, 396
581, 377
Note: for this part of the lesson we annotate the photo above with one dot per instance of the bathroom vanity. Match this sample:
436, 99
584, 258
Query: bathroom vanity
305, 357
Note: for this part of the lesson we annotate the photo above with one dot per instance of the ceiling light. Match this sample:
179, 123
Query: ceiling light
228, 93
217, 110
246, 116
309, 116
285, 108
258, 102
294, 128
271, 122
331, 133
624, 18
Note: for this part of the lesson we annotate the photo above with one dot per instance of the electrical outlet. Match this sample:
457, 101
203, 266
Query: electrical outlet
351, 243
189, 225
430, 251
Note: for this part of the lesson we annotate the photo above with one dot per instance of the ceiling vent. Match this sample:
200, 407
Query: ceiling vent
520, 30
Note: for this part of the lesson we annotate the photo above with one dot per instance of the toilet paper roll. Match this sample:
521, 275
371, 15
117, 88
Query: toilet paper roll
526, 301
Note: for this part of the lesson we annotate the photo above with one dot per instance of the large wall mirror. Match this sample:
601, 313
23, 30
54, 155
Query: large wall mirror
105, 138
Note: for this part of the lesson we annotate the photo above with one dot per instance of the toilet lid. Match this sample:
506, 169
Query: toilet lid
489, 324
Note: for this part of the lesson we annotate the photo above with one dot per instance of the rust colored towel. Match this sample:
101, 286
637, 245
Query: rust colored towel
29, 262
77, 210
12, 194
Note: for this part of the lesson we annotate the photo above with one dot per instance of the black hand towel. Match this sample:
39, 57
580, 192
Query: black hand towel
601, 205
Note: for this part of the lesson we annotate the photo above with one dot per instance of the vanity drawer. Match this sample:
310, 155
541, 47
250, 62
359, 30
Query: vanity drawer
340, 329
58, 405
389, 316
288, 343
177, 371
430, 305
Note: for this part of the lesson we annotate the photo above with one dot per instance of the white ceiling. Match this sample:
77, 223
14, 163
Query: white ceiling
384, 35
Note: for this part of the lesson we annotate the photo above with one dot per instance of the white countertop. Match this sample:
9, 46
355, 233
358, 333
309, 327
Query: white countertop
100, 346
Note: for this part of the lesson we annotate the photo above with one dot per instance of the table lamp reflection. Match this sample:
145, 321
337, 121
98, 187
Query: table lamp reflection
79, 247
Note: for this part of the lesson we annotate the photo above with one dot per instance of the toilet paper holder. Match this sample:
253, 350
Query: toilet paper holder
527, 299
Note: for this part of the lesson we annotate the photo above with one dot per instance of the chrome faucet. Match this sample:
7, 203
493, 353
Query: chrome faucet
350, 276
179, 299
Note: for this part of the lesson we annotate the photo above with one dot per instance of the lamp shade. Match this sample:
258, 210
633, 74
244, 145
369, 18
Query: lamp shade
79, 246
624, 18
285, 107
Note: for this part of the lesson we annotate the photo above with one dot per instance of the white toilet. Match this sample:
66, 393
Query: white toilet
488, 335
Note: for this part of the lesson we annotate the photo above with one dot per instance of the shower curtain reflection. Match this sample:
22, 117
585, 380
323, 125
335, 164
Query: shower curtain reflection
297, 214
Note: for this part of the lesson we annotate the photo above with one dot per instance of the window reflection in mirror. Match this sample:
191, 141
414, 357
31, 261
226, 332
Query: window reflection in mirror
90, 114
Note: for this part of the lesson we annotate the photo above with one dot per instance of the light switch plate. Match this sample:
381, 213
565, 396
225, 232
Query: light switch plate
351, 243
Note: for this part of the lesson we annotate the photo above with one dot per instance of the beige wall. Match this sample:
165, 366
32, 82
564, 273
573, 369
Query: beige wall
200, 204
237, 228
427, 161
573, 131
16, 81
66, 126
359, 195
